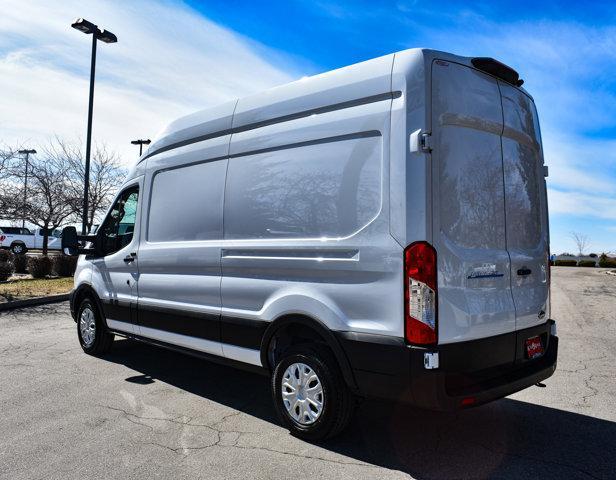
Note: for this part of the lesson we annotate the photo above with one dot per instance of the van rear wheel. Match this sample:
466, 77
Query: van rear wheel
311, 398
91, 331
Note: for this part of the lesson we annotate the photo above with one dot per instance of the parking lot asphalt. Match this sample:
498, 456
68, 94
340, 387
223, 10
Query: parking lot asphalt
144, 412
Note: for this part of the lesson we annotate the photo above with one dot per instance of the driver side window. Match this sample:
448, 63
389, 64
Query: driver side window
119, 226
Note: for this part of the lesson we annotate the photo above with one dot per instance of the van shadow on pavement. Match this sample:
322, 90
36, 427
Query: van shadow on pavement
505, 439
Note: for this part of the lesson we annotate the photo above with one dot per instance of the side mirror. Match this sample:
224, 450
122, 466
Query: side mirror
70, 243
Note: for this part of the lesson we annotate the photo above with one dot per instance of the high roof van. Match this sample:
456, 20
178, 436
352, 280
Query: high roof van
380, 230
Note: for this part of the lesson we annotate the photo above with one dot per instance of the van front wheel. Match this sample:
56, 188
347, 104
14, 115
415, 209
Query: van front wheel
310, 395
93, 336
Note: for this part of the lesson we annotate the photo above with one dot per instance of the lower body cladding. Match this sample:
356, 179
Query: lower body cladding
468, 373
193, 332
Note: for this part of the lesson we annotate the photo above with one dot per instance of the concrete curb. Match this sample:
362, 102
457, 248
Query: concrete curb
31, 302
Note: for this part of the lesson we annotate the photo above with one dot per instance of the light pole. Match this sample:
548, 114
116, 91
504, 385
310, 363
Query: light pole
84, 26
141, 143
27, 154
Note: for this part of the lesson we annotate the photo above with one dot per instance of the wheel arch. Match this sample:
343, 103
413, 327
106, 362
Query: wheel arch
301, 321
81, 292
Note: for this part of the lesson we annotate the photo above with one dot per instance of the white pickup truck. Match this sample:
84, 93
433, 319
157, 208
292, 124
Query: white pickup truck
19, 240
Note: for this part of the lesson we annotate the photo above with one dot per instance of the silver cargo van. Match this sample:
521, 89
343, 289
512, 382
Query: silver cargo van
380, 230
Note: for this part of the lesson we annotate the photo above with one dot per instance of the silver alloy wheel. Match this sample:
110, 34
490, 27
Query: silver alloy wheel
302, 393
18, 248
87, 326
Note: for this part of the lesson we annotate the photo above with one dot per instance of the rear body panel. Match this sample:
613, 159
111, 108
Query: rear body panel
489, 207
526, 207
475, 298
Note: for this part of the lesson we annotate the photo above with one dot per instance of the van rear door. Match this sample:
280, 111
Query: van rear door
525, 206
469, 226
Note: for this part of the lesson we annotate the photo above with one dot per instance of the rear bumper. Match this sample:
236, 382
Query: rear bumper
469, 374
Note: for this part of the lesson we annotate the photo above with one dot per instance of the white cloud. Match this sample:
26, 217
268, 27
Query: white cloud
582, 204
169, 61
581, 164
567, 68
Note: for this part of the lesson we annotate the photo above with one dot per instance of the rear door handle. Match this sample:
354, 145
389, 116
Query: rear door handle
524, 271
130, 257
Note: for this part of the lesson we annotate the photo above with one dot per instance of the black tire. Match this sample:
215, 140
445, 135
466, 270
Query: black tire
19, 249
338, 401
103, 339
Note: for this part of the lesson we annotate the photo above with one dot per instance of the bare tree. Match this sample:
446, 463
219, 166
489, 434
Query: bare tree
46, 203
106, 175
55, 186
8, 155
581, 241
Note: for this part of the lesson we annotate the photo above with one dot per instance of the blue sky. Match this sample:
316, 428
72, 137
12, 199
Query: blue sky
173, 58
565, 51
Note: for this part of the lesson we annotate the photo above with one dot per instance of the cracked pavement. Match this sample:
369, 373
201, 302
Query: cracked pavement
144, 412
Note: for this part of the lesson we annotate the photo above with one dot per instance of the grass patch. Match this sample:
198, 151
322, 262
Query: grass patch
31, 288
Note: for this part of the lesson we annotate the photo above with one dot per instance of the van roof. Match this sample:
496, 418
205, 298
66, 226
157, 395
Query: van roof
355, 84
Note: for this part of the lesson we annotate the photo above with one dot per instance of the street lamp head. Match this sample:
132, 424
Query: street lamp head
25, 152
106, 36
141, 142
84, 26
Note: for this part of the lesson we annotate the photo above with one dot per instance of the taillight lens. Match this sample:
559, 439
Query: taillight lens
420, 288
2, 237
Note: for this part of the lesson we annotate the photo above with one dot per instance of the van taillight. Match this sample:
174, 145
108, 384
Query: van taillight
420, 289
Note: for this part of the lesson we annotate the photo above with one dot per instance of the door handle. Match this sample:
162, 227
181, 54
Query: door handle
130, 257
524, 271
